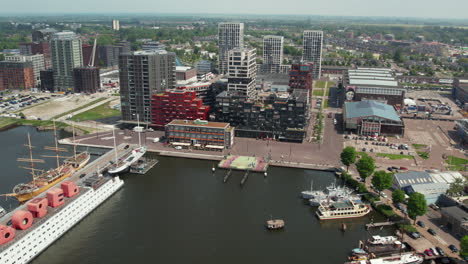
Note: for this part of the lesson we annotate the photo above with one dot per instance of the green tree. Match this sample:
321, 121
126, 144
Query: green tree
464, 246
398, 56
457, 187
417, 205
348, 156
365, 166
382, 180
398, 196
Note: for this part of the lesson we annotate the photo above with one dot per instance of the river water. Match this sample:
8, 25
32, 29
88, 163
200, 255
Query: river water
180, 212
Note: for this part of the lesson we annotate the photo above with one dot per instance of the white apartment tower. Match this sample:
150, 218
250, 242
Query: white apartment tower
272, 53
116, 25
242, 71
313, 41
230, 36
66, 54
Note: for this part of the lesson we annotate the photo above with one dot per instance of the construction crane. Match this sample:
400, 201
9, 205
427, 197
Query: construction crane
93, 54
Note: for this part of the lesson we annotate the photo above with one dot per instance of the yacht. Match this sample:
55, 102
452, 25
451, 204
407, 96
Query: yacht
382, 240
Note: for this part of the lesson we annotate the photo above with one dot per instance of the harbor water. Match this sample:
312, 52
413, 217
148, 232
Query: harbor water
180, 212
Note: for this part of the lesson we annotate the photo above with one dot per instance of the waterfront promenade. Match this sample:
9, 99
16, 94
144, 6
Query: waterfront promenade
316, 156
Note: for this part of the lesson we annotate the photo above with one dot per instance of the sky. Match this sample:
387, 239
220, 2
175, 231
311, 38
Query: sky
389, 8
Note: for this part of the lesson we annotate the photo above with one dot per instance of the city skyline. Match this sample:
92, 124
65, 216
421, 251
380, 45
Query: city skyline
451, 9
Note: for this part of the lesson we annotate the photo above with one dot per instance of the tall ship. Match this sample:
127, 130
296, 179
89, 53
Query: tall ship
44, 180
32, 227
122, 164
348, 208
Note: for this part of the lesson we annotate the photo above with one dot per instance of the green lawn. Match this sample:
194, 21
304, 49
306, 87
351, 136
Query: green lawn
320, 84
318, 92
423, 155
456, 163
419, 146
99, 112
5, 121
81, 107
325, 103
330, 84
394, 156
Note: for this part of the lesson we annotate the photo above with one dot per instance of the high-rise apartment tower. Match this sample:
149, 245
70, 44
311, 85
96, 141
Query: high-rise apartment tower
312, 43
66, 54
272, 53
230, 36
242, 71
143, 74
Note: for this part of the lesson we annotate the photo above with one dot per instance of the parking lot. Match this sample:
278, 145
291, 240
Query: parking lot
439, 102
11, 104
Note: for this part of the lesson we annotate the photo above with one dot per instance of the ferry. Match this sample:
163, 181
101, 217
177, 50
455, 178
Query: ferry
343, 209
29, 229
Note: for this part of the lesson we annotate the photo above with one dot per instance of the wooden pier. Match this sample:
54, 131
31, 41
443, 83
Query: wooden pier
143, 165
389, 223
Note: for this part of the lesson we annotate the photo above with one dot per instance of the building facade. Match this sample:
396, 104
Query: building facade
34, 48
312, 44
87, 80
66, 54
230, 36
47, 80
143, 74
301, 76
16, 75
455, 219
272, 53
200, 134
42, 34
204, 67
108, 55
37, 63
242, 71
371, 117
178, 104
280, 117
116, 24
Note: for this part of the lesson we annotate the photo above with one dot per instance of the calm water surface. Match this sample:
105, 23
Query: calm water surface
182, 213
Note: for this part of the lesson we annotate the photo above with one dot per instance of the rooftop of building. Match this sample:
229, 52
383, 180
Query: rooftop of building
370, 108
455, 212
199, 123
446, 176
434, 187
64, 35
380, 77
150, 52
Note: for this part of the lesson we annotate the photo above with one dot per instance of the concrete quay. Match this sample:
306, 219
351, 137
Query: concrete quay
324, 157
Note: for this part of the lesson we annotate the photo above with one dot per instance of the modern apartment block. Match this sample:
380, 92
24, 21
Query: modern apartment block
34, 48
272, 53
66, 55
15, 75
200, 134
178, 104
143, 74
37, 63
301, 76
312, 44
242, 71
43, 34
87, 80
47, 80
280, 117
204, 66
116, 25
230, 36
108, 55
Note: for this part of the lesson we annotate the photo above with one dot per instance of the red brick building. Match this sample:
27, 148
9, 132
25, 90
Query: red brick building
34, 48
301, 75
16, 75
178, 104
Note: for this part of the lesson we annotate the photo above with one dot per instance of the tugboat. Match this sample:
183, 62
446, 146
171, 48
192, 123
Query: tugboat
274, 224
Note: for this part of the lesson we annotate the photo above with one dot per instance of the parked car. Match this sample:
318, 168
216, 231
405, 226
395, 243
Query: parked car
383, 195
453, 248
441, 252
428, 252
334, 121
178, 147
421, 224
431, 231
415, 235
434, 251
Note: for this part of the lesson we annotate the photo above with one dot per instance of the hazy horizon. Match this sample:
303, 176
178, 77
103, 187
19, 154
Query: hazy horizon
449, 9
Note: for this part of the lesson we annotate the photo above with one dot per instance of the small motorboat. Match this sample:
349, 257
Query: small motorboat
274, 224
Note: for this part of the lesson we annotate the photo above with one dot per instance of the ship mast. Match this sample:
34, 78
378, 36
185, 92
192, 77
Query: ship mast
115, 147
139, 132
56, 145
74, 143
31, 160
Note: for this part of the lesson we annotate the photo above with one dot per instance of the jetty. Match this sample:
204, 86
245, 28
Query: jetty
380, 224
144, 164
244, 163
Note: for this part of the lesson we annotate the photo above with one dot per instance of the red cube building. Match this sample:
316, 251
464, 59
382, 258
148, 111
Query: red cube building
301, 75
178, 104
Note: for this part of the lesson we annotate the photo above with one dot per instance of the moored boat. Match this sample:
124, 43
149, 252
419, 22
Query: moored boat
343, 209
